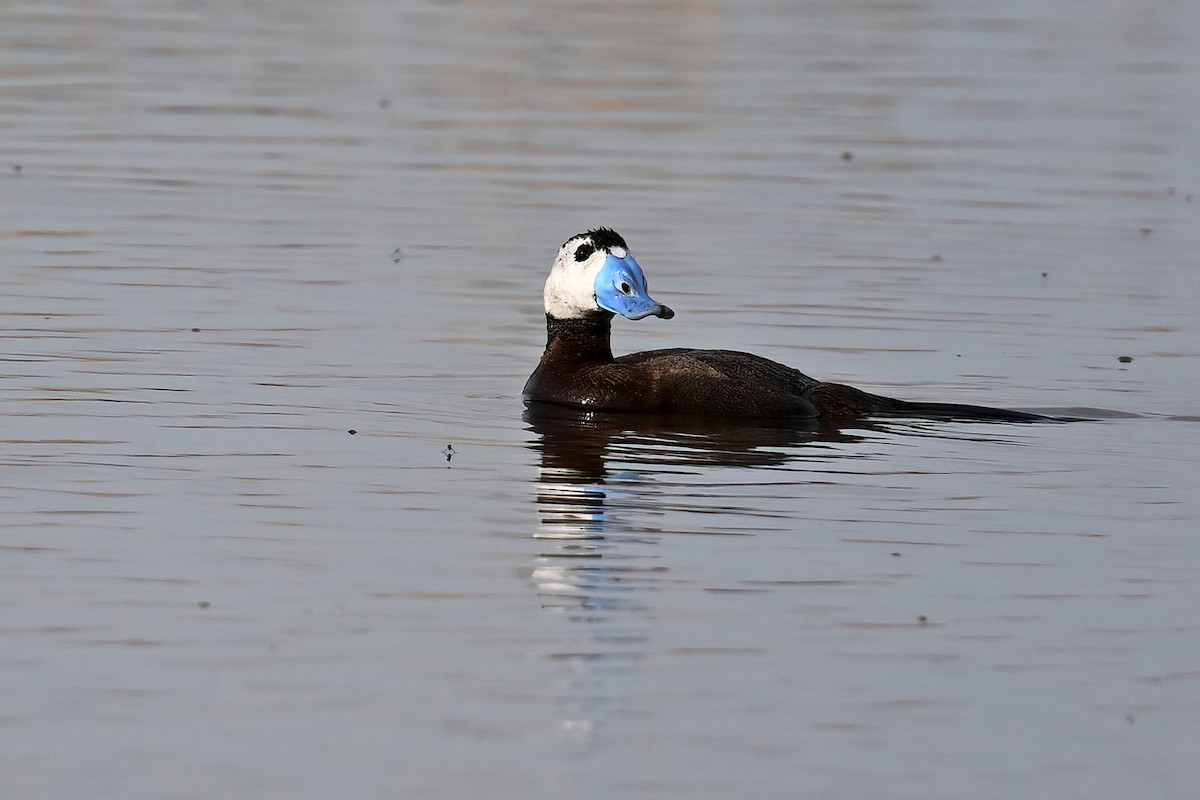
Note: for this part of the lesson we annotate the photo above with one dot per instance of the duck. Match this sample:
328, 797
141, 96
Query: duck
595, 278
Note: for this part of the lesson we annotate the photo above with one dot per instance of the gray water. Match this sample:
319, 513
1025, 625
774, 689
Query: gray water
232, 233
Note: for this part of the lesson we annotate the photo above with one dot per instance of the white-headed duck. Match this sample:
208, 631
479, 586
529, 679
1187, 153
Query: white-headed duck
595, 277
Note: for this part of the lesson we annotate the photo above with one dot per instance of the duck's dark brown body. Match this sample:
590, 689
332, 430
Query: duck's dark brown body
578, 369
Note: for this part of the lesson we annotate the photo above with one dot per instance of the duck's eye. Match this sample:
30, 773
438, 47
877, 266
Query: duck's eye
624, 288
583, 251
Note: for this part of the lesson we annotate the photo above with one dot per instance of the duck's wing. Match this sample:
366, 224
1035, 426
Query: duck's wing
734, 383
720, 382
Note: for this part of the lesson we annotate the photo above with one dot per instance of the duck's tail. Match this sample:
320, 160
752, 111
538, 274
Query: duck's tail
960, 411
838, 401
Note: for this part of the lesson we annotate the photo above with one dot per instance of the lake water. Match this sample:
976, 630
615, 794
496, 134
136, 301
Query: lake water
275, 524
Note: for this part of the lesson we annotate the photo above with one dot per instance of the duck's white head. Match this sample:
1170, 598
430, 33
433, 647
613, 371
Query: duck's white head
595, 271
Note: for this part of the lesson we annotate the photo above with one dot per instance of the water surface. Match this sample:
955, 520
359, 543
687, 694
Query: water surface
231, 235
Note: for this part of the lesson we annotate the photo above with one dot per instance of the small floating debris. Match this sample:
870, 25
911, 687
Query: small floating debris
16, 169
847, 155
936, 258
1045, 274
1125, 359
922, 619
204, 604
385, 103
1146, 232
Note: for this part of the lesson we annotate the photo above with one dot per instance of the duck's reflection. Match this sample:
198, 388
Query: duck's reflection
599, 504
610, 487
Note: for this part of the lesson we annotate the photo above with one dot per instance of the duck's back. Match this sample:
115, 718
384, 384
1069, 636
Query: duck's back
709, 369
731, 383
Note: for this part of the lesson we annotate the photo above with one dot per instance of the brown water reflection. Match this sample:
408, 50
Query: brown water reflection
600, 493
599, 561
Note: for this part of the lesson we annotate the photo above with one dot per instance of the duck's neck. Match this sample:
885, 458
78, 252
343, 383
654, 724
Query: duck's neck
584, 340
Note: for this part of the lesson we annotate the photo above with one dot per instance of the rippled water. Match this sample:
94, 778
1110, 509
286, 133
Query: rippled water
276, 525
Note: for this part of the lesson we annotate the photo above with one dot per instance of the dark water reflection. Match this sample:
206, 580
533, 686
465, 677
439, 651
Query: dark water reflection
601, 487
587, 509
